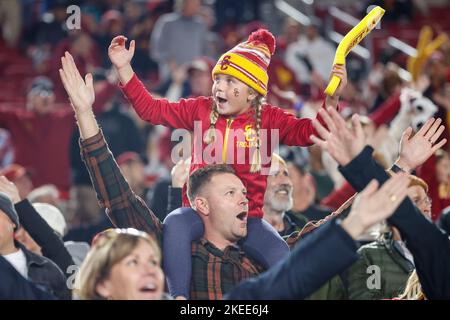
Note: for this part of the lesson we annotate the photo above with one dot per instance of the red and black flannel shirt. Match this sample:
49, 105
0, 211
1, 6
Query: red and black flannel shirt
214, 272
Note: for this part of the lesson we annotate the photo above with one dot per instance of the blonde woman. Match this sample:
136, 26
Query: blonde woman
123, 264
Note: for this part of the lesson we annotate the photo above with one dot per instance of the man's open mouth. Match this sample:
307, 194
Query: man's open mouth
242, 216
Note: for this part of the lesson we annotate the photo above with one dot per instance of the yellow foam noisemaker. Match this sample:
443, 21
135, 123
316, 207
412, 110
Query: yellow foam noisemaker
351, 39
425, 48
413, 63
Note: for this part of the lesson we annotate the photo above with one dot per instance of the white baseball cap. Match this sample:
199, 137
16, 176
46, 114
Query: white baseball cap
53, 216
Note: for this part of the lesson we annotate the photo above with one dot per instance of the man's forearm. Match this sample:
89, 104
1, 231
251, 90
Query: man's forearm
87, 124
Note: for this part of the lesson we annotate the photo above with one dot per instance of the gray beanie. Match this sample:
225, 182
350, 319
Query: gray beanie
7, 207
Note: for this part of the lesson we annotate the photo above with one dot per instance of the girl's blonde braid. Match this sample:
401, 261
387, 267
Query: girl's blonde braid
213, 117
256, 161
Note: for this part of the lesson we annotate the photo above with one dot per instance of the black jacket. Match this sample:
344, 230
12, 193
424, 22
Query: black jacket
45, 273
14, 286
429, 246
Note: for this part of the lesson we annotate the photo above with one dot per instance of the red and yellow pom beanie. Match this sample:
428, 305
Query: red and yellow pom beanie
248, 61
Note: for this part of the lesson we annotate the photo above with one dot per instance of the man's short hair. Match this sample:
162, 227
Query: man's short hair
204, 175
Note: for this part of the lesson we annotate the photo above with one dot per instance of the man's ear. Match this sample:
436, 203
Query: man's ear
201, 205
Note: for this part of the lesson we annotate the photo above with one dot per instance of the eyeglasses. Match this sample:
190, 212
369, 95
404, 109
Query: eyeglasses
424, 201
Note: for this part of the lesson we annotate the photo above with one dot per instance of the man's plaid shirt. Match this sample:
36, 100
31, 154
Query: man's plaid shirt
214, 272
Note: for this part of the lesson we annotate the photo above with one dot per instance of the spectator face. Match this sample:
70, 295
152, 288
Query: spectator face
437, 72
302, 183
85, 204
278, 194
42, 102
291, 30
208, 16
137, 172
138, 276
82, 45
231, 96
224, 206
420, 199
134, 173
200, 82
443, 169
190, 7
311, 32
116, 27
60, 13
133, 11
24, 238
6, 231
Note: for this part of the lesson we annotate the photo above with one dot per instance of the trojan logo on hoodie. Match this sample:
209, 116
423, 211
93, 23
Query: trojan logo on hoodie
250, 138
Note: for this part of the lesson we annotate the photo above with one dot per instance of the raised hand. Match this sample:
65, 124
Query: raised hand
374, 204
10, 189
341, 72
415, 150
180, 173
121, 58
81, 92
119, 55
340, 141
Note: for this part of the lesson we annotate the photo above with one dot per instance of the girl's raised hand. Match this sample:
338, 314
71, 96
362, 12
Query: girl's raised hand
119, 55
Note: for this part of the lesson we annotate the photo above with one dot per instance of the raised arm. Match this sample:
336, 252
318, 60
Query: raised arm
296, 132
123, 206
430, 247
180, 174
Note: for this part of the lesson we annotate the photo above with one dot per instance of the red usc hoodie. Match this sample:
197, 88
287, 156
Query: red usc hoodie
238, 135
